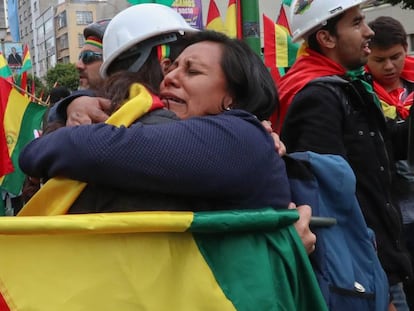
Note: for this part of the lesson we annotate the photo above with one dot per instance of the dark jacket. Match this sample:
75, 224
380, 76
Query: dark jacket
227, 158
334, 116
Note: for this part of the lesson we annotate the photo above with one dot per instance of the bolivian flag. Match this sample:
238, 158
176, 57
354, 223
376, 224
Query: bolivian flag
228, 260
21, 118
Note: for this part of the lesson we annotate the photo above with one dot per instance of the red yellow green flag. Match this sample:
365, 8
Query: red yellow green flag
5, 70
226, 260
27, 61
21, 119
214, 21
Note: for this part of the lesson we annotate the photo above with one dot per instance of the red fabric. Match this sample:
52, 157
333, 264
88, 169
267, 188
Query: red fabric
393, 97
213, 12
269, 48
306, 68
282, 19
239, 20
3, 304
156, 103
6, 165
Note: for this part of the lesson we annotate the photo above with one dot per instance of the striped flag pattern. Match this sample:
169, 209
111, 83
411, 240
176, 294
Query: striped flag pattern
214, 21
225, 260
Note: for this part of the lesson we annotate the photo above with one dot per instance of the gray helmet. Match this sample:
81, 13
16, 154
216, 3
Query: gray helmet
96, 29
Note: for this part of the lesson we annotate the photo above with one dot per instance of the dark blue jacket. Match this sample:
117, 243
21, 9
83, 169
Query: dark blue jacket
227, 158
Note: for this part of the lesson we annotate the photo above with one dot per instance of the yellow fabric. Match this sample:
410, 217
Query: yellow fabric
58, 194
281, 39
390, 111
231, 20
113, 271
128, 222
13, 116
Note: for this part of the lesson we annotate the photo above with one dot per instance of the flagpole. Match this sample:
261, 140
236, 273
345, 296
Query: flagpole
38, 100
251, 25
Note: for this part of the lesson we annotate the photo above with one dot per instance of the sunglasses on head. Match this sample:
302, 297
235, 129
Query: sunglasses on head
88, 57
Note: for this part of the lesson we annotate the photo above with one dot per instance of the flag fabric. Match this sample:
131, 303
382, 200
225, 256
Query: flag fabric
6, 165
58, 194
214, 21
5, 70
225, 260
287, 2
21, 119
27, 61
233, 20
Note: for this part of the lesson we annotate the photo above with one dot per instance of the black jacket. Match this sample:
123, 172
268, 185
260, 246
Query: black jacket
334, 116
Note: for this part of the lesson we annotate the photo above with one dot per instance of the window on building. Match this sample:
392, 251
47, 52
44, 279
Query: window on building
81, 40
63, 42
35, 6
61, 20
65, 60
84, 17
49, 26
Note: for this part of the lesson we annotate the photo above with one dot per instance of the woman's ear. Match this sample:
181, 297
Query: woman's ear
165, 63
228, 101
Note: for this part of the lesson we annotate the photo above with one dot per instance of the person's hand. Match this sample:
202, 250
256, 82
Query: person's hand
391, 307
279, 145
302, 226
87, 110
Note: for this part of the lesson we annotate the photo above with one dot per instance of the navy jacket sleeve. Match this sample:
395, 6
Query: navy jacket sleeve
229, 154
58, 111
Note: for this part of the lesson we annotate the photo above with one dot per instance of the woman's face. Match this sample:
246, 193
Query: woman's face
194, 84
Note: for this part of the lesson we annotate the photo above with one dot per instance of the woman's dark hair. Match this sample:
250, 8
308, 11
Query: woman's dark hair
388, 32
248, 79
330, 26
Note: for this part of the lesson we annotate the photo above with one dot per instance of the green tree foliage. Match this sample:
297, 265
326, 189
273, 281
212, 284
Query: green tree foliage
64, 75
406, 4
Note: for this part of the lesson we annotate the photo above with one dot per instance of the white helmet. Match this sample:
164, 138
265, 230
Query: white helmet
309, 15
150, 22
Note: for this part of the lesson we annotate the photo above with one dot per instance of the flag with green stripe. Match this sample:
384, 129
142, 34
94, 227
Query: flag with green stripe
21, 119
230, 260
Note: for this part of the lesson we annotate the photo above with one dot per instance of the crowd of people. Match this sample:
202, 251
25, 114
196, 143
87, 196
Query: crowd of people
203, 142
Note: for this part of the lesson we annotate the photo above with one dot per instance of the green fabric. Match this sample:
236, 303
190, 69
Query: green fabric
5, 72
287, 2
269, 266
242, 220
32, 120
358, 74
164, 2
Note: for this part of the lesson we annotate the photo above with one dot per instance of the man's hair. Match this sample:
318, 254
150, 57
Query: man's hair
330, 26
388, 32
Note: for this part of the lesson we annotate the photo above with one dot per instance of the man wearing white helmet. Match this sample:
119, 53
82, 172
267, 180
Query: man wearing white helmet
328, 106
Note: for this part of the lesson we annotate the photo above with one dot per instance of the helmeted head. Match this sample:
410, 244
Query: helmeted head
136, 30
307, 16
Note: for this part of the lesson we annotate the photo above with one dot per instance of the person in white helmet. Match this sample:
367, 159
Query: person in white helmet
328, 106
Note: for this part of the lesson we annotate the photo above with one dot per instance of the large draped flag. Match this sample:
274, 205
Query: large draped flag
214, 21
21, 119
225, 260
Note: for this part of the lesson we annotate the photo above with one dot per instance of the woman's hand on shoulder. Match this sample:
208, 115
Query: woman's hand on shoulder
279, 145
87, 110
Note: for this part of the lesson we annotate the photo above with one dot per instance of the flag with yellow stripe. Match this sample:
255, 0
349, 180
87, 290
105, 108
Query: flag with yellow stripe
21, 118
227, 260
